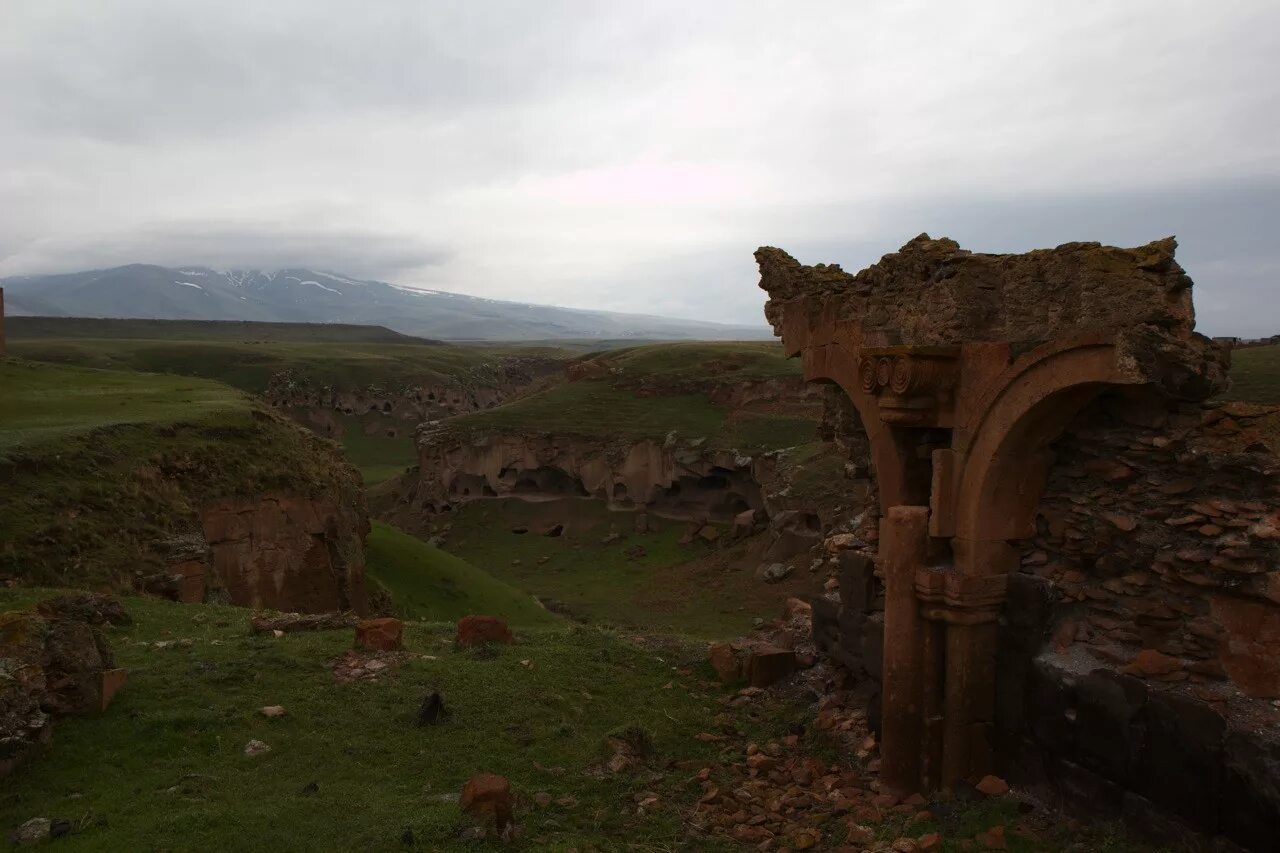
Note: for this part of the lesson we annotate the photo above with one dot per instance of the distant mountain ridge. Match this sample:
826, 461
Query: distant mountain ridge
306, 296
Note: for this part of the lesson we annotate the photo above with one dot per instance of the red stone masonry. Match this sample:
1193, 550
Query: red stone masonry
964, 368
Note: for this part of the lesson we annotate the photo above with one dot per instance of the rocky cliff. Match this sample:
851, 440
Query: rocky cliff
282, 552
674, 477
239, 506
392, 410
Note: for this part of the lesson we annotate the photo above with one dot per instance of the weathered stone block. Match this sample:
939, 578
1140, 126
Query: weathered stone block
477, 630
1109, 730
769, 664
857, 582
383, 635
1251, 788
1180, 768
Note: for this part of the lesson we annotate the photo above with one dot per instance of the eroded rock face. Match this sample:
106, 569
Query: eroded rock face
672, 478
287, 553
400, 408
54, 661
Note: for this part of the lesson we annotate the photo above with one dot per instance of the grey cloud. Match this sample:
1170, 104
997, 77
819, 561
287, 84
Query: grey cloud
631, 156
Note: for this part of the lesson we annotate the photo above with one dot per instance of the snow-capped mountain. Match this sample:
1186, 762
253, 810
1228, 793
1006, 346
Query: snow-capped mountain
306, 296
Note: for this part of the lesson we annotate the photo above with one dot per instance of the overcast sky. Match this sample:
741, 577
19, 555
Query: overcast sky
632, 155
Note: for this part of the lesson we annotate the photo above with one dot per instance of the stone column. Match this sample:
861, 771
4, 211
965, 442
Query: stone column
904, 540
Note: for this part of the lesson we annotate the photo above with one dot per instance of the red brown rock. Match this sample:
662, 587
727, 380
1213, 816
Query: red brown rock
287, 552
487, 797
385, 634
724, 660
768, 665
993, 786
993, 839
1251, 650
56, 662
1150, 663
478, 630
112, 681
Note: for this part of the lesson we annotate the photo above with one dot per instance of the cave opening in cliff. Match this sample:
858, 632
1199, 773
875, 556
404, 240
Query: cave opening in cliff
546, 480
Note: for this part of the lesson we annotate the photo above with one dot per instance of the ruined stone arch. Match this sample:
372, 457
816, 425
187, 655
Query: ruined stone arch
963, 369
1005, 447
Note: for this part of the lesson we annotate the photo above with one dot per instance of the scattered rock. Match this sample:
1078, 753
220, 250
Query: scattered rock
794, 608
432, 710
94, 608
112, 681
478, 630
383, 635
769, 664
773, 572
1150, 663
33, 832
272, 712
54, 661
255, 748
486, 797
289, 623
993, 786
724, 660
993, 838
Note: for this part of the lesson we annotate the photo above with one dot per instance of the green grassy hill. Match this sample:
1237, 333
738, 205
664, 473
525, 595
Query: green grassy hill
164, 768
250, 364
247, 356
1255, 375
427, 584
703, 361
42, 402
100, 466
639, 582
649, 391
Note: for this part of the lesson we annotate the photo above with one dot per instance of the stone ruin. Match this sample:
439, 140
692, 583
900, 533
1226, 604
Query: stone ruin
1077, 582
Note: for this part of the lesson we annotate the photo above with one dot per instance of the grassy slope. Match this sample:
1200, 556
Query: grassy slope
247, 355
42, 402
428, 584
164, 767
700, 360
653, 390
249, 365
686, 589
99, 466
1255, 375
378, 457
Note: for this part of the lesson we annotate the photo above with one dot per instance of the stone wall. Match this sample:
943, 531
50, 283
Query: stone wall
1140, 643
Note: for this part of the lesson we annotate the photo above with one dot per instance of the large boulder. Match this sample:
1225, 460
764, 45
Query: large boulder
54, 661
380, 635
479, 630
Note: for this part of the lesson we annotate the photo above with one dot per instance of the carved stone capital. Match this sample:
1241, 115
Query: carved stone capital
914, 386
